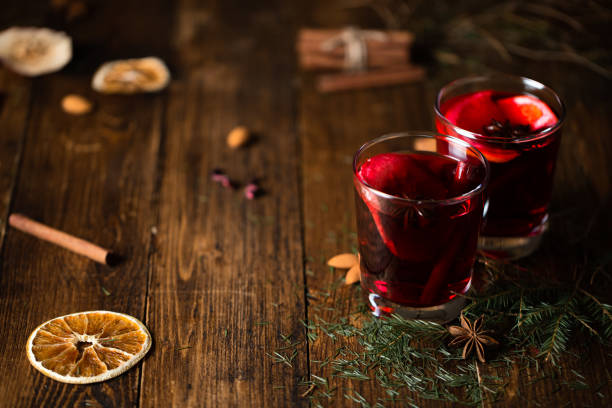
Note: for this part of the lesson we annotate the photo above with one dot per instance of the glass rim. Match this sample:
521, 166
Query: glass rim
428, 135
529, 137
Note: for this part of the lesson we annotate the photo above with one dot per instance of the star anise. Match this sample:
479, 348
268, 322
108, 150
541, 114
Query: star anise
499, 129
473, 336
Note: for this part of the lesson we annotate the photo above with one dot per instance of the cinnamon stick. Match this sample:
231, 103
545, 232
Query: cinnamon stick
320, 35
439, 274
70, 242
312, 61
382, 77
373, 46
384, 48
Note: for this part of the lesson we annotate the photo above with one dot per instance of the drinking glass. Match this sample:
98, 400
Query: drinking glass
522, 166
419, 199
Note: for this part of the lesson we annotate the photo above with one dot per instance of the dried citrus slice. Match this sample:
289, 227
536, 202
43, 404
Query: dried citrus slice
88, 347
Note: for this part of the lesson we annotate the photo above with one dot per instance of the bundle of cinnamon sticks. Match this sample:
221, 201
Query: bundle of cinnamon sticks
366, 58
384, 48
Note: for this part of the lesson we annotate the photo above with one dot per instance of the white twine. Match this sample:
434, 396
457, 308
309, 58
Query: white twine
355, 49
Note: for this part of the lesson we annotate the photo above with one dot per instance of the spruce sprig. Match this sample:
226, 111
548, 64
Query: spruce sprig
411, 360
543, 316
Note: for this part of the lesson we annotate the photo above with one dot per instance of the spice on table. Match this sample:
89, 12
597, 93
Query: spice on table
369, 79
368, 58
238, 137
343, 261
352, 48
34, 51
219, 176
252, 190
474, 337
76, 104
353, 275
70, 242
347, 261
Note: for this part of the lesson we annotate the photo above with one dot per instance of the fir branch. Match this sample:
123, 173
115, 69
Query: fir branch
556, 342
582, 320
410, 358
605, 309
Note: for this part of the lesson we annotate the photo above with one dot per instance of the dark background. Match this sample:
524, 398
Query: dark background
205, 268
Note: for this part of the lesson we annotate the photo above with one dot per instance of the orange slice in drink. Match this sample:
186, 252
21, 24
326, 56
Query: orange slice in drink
88, 347
527, 110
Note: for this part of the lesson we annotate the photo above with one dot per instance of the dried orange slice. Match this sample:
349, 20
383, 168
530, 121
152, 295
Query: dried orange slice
88, 347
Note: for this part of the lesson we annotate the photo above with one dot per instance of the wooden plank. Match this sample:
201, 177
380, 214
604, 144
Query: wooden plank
92, 178
14, 109
15, 93
227, 273
88, 177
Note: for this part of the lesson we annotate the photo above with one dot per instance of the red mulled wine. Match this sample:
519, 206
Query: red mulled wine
418, 219
521, 173
509, 121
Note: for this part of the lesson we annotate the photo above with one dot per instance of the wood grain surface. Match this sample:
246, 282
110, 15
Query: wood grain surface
93, 180
222, 281
14, 109
227, 276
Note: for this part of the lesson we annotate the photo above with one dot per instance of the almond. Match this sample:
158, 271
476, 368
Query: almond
238, 137
353, 275
343, 261
76, 104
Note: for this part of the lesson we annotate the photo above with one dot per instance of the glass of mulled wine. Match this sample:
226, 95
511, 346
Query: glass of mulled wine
420, 200
516, 123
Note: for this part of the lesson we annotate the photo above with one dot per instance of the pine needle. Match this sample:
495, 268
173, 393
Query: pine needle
411, 359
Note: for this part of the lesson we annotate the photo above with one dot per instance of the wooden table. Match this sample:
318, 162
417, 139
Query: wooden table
217, 278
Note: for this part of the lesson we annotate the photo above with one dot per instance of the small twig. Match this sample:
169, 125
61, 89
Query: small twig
565, 56
405, 332
496, 44
520, 316
555, 333
308, 391
552, 13
583, 323
479, 378
603, 309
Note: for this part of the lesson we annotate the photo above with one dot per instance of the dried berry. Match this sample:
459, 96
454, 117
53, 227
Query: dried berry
252, 190
220, 177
